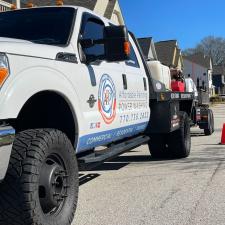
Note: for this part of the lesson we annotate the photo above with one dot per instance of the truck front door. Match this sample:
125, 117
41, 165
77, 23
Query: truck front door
99, 83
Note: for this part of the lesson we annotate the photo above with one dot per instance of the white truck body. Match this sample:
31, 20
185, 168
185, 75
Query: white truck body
116, 114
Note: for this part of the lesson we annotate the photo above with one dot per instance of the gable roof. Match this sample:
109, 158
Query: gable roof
165, 51
201, 59
148, 48
109, 9
90, 4
145, 44
8, 1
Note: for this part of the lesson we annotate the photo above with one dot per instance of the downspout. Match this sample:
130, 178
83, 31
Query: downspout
223, 76
16, 3
223, 79
193, 73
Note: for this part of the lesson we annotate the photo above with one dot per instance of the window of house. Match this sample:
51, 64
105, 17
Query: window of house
203, 84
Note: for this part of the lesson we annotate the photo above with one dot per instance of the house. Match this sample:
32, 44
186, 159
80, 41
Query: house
108, 8
199, 67
169, 54
5, 6
148, 48
219, 79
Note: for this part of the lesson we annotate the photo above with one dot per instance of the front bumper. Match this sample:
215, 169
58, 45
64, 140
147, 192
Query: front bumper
7, 136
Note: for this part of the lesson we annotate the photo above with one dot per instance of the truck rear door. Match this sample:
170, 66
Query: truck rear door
134, 98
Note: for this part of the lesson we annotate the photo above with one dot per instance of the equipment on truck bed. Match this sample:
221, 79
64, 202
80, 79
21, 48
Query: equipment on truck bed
198, 106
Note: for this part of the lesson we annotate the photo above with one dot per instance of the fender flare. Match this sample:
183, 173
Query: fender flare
19, 89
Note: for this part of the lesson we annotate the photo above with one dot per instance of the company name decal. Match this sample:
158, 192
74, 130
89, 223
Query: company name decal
107, 99
133, 106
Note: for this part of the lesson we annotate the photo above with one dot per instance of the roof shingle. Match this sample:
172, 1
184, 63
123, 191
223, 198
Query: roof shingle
219, 70
201, 59
165, 51
145, 44
89, 4
109, 9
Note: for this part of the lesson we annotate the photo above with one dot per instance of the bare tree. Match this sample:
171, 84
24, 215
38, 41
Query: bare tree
210, 46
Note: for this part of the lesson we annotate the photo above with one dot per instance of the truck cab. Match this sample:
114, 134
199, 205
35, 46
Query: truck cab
109, 100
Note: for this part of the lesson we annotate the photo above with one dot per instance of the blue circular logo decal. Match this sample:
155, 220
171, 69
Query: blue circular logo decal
107, 99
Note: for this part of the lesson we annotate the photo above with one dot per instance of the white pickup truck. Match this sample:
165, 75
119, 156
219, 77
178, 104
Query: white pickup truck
72, 81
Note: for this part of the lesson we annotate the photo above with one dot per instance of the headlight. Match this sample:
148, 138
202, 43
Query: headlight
4, 68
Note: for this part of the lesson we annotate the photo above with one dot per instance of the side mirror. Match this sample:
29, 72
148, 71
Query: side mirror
117, 45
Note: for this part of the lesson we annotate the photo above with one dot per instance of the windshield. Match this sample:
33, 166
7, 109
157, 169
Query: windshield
51, 25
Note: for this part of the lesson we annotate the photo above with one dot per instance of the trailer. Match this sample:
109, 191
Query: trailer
202, 116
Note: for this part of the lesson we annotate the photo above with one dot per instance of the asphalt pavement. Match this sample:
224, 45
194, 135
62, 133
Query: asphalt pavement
134, 189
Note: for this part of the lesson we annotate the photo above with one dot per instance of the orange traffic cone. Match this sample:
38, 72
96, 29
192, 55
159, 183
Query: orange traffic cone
223, 135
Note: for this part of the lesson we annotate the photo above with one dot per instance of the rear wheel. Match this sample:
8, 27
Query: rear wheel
157, 146
179, 141
210, 129
213, 122
41, 185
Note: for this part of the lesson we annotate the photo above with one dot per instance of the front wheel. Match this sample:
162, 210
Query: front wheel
41, 184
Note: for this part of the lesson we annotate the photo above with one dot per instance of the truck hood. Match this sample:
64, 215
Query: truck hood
27, 48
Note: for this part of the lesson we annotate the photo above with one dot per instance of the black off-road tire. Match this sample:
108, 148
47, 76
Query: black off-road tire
157, 146
213, 122
37, 153
179, 141
210, 130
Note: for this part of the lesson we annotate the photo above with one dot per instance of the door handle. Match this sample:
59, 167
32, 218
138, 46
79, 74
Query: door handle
145, 84
124, 81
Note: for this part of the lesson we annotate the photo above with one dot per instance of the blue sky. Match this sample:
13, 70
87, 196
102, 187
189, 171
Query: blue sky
188, 21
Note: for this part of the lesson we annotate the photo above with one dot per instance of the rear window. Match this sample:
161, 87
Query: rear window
50, 25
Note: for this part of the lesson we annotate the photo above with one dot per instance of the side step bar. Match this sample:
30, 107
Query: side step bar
113, 151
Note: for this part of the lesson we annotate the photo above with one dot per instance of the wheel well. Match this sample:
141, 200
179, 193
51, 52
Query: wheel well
47, 110
186, 106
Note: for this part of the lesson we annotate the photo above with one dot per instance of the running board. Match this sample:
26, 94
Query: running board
113, 151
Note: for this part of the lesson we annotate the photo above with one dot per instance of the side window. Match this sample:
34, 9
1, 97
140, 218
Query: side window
133, 59
93, 29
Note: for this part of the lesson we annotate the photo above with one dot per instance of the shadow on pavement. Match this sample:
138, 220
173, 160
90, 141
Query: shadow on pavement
199, 161
197, 134
210, 156
111, 166
83, 179
133, 158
